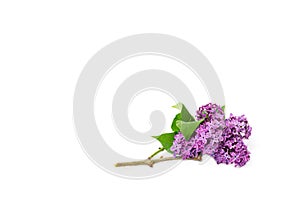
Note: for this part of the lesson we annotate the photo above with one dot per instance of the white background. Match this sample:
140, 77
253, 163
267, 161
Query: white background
253, 45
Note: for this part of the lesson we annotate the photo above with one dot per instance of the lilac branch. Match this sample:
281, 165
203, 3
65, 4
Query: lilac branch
150, 162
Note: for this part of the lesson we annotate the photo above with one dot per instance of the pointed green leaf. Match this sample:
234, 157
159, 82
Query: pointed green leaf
166, 140
174, 126
223, 108
188, 128
185, 115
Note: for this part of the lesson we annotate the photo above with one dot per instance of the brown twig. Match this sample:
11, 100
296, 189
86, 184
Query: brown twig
150, 162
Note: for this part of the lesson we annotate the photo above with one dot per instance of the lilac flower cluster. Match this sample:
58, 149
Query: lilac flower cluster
186, 149
218, 137
210, 111
207, 135
211, 130
232, 149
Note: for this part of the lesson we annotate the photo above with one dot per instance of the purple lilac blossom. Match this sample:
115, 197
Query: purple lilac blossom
222, 139
186, 149
210, 111
211, 130
207, 136
232, 150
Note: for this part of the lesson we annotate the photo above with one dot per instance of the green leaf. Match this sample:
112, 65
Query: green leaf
185, 115
166, 140
188, 128
223, 108
174, 126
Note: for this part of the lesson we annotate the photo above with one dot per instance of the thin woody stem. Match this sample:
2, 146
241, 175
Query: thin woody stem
150, 162
155, 153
